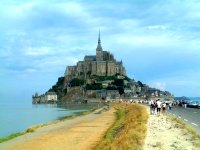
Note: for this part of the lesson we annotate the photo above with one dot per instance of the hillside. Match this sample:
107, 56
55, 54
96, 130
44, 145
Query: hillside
103, 87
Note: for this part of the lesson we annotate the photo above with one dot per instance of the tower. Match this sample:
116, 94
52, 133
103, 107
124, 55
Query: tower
99, 50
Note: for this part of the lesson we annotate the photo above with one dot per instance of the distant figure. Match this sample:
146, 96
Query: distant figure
159, 105
185, 105
152, 107
163, 107
170, 106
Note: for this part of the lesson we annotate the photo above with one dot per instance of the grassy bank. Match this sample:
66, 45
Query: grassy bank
195, 137
129, 129
33, 128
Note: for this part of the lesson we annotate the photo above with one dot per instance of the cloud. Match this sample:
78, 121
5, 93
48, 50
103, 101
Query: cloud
30, 70
38, 51
157, 27
158, 41
160, 85
149, 40
179, 83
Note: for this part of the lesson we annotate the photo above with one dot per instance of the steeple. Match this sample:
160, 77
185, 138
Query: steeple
99, 48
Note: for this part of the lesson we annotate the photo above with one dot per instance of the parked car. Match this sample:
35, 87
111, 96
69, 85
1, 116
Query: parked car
199, 104
193, 104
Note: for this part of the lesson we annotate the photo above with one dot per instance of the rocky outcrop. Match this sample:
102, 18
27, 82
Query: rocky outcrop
73, 94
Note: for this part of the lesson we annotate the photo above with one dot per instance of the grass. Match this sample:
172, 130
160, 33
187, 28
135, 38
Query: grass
129, 129
195, 137
11, 136
33, 128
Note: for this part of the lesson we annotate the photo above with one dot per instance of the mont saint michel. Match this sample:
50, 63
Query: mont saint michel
98, 76
101, 64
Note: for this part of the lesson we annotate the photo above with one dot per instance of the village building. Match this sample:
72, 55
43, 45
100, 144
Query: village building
48, 97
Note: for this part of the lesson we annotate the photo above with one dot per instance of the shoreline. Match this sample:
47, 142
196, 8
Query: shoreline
53, 134
37, 126
89, 130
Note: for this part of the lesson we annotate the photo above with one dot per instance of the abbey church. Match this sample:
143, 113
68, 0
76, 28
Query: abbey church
101, 64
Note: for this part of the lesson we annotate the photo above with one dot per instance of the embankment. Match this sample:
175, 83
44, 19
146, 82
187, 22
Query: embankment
80, 132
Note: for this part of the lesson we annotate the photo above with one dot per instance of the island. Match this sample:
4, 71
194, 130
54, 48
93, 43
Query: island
98, 77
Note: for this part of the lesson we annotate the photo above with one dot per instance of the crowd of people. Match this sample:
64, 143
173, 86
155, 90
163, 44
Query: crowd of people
156, 106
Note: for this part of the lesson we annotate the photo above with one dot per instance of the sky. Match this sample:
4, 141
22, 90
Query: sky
158, 42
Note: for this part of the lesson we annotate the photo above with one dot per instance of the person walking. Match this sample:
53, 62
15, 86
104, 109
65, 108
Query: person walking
152, 107
170, 106
159, 105
155, 107
163, 107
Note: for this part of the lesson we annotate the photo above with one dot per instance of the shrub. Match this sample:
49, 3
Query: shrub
76, 82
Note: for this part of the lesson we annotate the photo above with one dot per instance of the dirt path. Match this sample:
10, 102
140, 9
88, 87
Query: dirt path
162, 134
80, 133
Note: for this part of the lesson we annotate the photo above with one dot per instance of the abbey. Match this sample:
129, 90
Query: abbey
101, 64
97, 77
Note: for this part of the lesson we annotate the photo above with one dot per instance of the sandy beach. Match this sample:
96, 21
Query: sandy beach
85, 132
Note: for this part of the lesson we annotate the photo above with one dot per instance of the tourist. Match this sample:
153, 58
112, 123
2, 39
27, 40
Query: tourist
185, 105
152, 107
159, 105
163, 107
155, 107
170, 106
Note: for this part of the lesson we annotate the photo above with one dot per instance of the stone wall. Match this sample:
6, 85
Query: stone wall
90, 94
101, 68
111, 68
94, 68
99, 55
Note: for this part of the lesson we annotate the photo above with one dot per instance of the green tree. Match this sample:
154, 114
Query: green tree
94, 86
110, 87
104, 78
119, 82
89, 73
121, 90
76, 82
140, 83
127, 78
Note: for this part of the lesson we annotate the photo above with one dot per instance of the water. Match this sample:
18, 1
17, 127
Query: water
197, 99
18, 117
194, 99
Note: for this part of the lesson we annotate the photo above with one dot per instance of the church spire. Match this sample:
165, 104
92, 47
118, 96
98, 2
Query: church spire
99, 48
99, 39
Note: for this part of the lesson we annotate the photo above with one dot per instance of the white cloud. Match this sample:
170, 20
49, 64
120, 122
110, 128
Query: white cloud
157, 27
180, 82
160, 85
30, 70
128, 24
53, 63
147, 40
73, 9
16, 10
37, 51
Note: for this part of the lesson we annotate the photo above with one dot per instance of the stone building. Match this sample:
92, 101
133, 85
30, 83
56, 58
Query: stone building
101, 64
48, 97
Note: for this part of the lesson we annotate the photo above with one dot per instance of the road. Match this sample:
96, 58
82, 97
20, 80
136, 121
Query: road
190, 116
